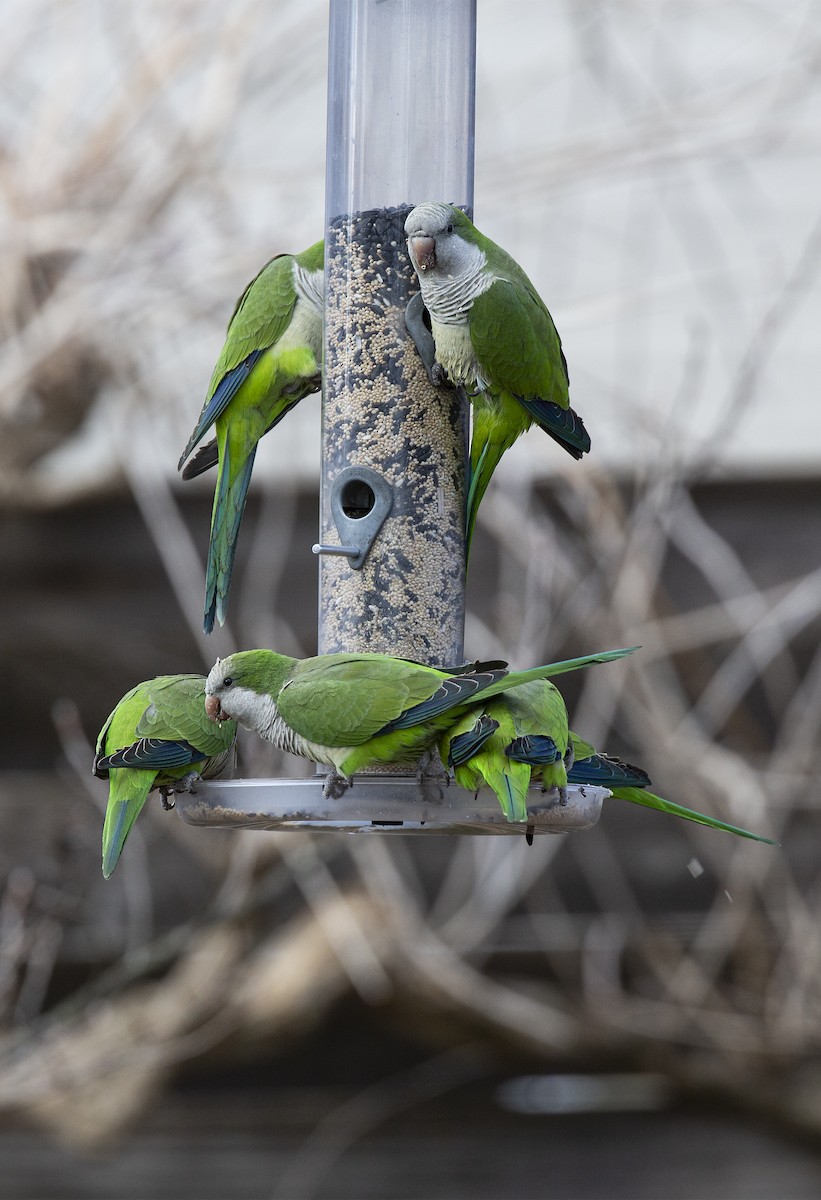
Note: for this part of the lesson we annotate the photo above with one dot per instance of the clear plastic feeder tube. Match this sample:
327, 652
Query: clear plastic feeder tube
400, 131
401, 87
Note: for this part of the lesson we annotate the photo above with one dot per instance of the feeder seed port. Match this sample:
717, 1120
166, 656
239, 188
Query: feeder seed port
360, 503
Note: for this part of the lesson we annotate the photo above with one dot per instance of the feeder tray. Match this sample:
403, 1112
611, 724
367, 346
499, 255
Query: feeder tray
380, 804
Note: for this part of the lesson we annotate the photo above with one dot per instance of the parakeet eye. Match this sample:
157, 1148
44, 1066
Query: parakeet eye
228, 681
450, 229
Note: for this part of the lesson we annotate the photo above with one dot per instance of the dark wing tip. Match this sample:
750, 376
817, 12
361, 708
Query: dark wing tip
535, 749
457, 690
466, 745
206, 457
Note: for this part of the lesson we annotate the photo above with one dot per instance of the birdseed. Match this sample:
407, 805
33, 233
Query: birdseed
381, 411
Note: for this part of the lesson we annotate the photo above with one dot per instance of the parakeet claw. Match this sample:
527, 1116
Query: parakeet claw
529, 834
186, 784
439, 376
432, 773
420, 333
165, 800
335, 786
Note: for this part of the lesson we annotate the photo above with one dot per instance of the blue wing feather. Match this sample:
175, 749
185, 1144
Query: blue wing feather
224, 392
537, 749
465, 745
152, 754
607, 772
564, 425
459, 689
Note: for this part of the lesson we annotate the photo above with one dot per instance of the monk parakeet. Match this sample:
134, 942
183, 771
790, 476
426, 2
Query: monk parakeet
158, 736
272, 357
631, 783
493, 335
356, 710
506, 740
522, 735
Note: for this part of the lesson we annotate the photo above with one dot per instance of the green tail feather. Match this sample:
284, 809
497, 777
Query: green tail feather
229, 505
122, 812
511, 788
479, 479
509, 802
517, 799
648, 800
515, 678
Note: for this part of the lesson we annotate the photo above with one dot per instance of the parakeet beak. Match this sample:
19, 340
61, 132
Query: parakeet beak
424, 250
212, 709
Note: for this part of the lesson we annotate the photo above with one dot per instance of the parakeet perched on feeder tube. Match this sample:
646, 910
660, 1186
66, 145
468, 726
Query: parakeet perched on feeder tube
272, 357
493, 335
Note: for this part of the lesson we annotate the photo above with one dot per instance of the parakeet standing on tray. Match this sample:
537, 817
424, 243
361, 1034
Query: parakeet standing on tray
351, 711
158, 736
508, 739
272, 357
493, 335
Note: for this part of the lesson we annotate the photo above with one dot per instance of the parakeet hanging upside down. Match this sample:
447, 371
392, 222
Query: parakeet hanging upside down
522, 735
158, 736
506, 740
356, 710
272, 357
493, 335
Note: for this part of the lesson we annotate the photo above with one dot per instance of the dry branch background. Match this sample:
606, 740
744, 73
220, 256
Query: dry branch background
141, 184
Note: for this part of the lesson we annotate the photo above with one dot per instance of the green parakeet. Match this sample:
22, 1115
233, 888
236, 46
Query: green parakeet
355, 710
508, 739
493, 335
158, 736
631, 783
272, 357
522, 735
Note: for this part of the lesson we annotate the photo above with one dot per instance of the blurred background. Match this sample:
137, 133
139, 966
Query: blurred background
633, 1011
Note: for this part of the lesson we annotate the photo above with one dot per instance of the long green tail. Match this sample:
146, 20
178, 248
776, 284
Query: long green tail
226, 517
480, 476
511, 785
648, 800
128, 792
515, 678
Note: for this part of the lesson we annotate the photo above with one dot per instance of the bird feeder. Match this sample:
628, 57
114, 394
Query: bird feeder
391, 546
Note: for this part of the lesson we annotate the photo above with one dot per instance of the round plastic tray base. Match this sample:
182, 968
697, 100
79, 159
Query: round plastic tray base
381, 804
